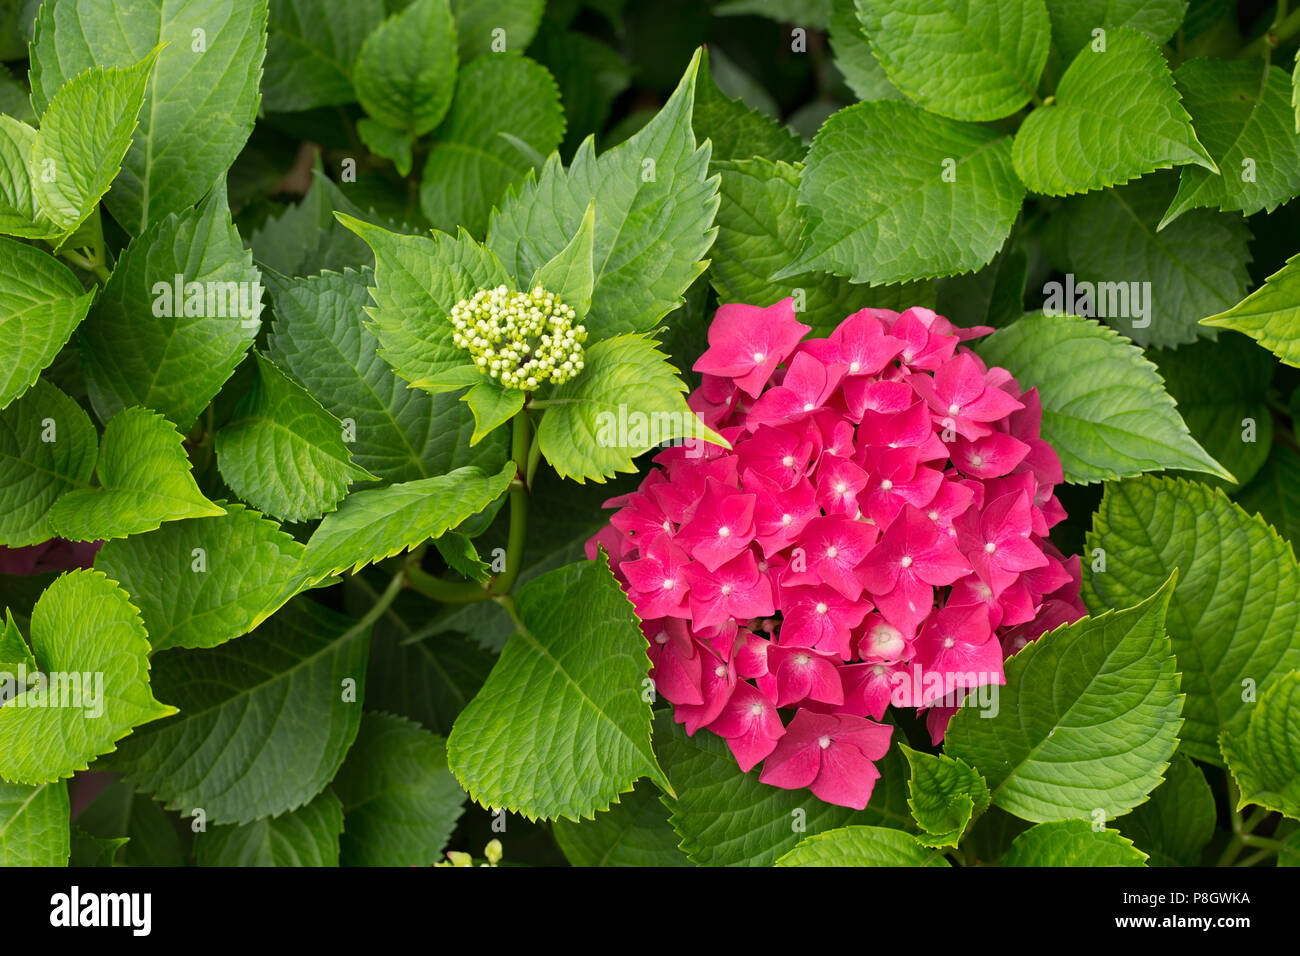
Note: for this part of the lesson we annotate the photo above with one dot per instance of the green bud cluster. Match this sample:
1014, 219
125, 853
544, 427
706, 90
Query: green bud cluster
523, 339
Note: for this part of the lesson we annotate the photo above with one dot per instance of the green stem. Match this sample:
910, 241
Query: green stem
381, 606
446, 592
1283, 28
520, 448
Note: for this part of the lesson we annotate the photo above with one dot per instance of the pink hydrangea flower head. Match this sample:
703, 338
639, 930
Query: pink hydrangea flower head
876, 537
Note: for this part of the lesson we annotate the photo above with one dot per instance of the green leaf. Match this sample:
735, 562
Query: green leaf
854, 58
492, 406
34, 825
1049, 753
35, 471
1073, 21
967, 61
153, 836
41, 303
1178, 821
462, 557
143, 344
309, 836
400, 802
945, 794
1235, 614
392, 144
571, 274
993, 296
305, 238
727, 818
759, 229
655, 205
92, 647
882, 201
264, 721
144, 480
401, 433
1083, 141
406, 69
1249, 130
573, 671
85, 132
311, 46
14, 652
417, 282
1265, 757
202, 98
861, 846
381, 522
20, 215
1072, 843
627, 400
88, 850
632, 832
282, 452
472, 159
1275, 493
736, 131
1195, 267
477, 23
1270, 315
591, 76
1105, 410
204, 581
813, 13
1222, 391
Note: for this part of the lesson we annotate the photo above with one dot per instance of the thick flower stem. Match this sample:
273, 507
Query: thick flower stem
446, 592
520, 442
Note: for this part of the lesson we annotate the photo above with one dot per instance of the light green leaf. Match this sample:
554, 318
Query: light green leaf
461, 556
144, 480
1275, 493
1235, 615
1249, 130
392, 144
854, 58
477, 23
93, 650
1178, 821
1083, 141
143, 344
862, 846
1072, 843
573, 671
378, 523
655, 204
35, 472
282, 452
632, 832
736, 131
400, 803
305, 238
202, 97
882, 203
417, 282
945, 794
401, 433
1265, 757
759, 229
1195, 267
570, 275
727, 818
34, 825
1105, 410
492, 406
41, 303
204, 581
966, 61
1222, 391
309, 836
1270, 315
20, 215
627, 400
472, 161
14, 653
1073, 21
311, 47
1050, 753
85, 132
406, 69
263, 724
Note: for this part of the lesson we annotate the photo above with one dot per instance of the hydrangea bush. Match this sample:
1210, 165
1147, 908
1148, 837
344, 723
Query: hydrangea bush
937, 362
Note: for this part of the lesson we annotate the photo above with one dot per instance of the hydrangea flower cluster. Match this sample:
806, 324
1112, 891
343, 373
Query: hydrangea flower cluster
876, 536
522, 338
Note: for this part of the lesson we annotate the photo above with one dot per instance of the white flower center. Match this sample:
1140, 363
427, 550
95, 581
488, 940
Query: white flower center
757, 708
976, 460
787, 520
808, 406
669, 584
990, 548
933, 515
726, 590
788, 461
801, 660
948, 642
954, 409
759, 357
907, 561
886, 485
720, 670
832, 551
823, 742
841, 487
661, 637
821, 607
855, 367
724, 532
